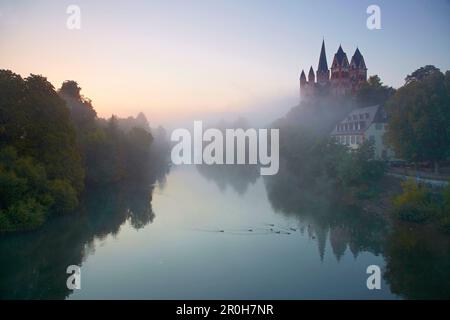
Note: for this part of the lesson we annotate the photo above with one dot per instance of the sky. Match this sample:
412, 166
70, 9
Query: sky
185, 59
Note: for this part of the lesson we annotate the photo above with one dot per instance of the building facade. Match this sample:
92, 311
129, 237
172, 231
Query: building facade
364, 124
342, 78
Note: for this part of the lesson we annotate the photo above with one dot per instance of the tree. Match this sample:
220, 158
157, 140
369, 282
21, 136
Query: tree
421, 74
419, 117
36, 122
358, 168
82, 112
373, 92
70, 88
40, 165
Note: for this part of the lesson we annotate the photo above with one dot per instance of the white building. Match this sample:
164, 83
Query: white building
363, 124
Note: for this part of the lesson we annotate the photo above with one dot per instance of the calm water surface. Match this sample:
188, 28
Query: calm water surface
227, 234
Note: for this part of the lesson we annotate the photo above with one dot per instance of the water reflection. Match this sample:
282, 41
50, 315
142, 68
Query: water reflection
415, 260
417, 257
324, 216
418, 262
34, 264
238, 177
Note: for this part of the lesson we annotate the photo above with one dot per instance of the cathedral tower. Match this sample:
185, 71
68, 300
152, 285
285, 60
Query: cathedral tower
323, 73
340, 73
358, 70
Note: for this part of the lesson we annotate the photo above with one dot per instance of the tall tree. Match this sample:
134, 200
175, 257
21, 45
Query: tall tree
82, 112
419, 117
36, 122
373, 92
40, 164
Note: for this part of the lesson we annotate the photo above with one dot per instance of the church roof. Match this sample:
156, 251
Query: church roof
366, 116
340, 55
358, 59
302, 75
323, 65
311, 71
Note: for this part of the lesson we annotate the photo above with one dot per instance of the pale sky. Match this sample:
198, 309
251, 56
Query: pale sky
188, 58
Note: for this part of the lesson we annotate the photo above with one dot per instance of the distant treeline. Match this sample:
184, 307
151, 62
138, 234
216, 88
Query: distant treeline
53, 146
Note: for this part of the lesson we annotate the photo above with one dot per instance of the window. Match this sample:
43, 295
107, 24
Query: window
372, 138
353, 140
361, 116
367, 116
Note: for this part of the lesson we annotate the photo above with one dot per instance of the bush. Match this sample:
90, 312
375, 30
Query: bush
414, 203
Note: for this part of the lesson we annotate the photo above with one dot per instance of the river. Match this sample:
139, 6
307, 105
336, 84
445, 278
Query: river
221, 233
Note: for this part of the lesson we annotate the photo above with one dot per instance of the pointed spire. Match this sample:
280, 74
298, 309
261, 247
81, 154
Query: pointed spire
340, 54
302, 75
358, 59
311, 75
323, 65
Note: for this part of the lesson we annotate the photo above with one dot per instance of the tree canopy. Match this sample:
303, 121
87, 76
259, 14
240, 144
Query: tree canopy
419, 117
373, 92
52, 144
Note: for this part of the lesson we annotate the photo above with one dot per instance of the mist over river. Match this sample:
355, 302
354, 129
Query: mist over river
217, 232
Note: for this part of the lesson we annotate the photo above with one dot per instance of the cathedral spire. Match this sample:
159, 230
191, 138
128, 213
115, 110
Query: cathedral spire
323, 65
311, 75
302, 75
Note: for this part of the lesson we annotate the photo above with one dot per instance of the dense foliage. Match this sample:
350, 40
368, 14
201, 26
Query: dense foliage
373, 92
52, 144
40, 168
418, 203
419, 117
321, 164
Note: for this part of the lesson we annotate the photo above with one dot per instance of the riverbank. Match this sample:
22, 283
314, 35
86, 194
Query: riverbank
382, 205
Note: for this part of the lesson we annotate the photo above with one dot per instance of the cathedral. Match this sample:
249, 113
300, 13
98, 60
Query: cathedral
342, 79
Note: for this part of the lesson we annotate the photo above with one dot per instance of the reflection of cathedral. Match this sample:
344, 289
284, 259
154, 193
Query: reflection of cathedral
343, 78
